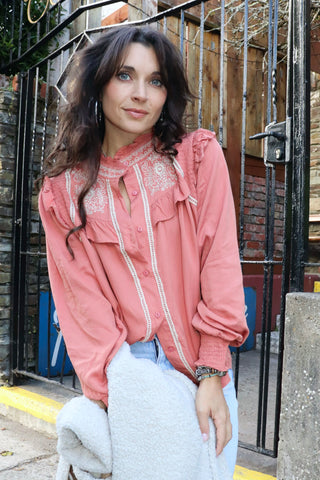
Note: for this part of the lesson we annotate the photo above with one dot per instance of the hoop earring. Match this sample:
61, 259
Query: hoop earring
98, 113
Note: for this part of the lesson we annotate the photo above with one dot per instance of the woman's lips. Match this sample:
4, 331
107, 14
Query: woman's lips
136, 113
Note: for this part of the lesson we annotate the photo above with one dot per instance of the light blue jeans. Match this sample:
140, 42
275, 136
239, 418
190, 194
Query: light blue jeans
153, 351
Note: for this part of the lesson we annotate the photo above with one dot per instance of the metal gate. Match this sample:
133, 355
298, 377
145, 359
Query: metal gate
248, 64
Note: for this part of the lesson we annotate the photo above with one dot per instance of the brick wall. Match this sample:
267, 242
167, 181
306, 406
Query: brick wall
254, 217
35, 265
8, 110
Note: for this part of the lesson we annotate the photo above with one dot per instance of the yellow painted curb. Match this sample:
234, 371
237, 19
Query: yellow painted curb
242, 473
32, 403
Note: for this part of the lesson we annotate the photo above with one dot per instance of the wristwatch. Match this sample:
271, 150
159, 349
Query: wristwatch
205, 372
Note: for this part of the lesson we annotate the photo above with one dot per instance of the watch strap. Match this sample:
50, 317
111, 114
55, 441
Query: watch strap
206, 372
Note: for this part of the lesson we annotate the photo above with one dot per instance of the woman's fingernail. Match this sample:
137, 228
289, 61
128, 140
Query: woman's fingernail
205, 437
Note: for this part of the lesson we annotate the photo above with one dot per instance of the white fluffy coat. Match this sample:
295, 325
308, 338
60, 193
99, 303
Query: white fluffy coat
151, 431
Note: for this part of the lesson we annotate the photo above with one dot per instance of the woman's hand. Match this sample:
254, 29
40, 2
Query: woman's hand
210, 402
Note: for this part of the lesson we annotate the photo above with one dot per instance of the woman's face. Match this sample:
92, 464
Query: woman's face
133, 99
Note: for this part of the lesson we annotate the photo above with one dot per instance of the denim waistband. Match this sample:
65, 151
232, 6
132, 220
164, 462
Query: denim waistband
153, 351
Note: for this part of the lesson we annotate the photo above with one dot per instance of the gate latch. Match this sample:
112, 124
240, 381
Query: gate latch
275, 137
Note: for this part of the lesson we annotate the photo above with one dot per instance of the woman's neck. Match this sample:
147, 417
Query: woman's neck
112, 144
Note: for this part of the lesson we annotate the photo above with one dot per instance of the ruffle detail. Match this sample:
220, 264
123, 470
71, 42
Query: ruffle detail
47, 195
165, 207
99, 231
201, 138
51, 203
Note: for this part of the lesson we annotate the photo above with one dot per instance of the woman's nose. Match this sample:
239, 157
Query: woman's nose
140, 91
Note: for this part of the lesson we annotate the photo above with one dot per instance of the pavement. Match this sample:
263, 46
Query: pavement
28, 437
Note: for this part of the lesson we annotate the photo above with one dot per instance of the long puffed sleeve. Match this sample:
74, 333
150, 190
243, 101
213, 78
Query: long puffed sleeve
220, 317
89, 320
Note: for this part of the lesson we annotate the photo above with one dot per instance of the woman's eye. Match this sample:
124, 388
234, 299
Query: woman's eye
123, 76
156, 82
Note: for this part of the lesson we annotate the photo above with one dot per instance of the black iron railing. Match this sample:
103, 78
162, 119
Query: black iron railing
205, 37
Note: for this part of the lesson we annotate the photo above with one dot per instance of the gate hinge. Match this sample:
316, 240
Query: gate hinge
276, 138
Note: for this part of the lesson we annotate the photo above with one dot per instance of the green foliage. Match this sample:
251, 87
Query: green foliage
12, 31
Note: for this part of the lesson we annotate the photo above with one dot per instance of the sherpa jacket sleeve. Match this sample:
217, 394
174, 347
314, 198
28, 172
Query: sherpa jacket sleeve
220, 316
90, 326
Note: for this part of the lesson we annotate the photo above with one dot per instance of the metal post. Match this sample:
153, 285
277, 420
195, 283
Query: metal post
14, 327
297, 169
299, 110
20, 221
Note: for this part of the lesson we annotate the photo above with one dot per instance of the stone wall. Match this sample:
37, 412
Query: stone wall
8, 132
35, 264
299, 445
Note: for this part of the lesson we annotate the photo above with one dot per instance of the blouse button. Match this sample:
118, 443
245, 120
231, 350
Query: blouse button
139, 229
126, 163
146, 273
170, 349
157, 314
134, 193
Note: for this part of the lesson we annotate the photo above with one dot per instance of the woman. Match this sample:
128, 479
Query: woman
140, 227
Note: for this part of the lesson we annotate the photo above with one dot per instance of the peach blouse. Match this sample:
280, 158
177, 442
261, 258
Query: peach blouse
170, 268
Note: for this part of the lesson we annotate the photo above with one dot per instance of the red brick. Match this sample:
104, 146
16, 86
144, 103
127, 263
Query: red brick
259, 237
249, 178
247, 236
255, 228
260, 180
250, 202
278, 223
254, 245
254, 254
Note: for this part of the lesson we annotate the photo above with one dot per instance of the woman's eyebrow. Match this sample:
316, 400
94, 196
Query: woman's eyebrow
132, 69
127, 67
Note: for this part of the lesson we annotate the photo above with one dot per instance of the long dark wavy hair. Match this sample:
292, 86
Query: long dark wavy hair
79, 138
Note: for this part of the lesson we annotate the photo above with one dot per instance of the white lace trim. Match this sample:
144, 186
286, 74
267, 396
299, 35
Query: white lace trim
129, 262
68, 187
193, 200
177, 166
156, 272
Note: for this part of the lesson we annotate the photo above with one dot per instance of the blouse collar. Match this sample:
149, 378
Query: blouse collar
127, 156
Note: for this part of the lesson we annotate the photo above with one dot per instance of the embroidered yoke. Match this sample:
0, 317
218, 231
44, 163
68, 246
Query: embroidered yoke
170, 268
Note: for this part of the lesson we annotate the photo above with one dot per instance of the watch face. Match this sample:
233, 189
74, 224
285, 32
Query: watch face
203, 370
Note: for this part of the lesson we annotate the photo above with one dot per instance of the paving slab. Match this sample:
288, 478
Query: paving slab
25, 453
